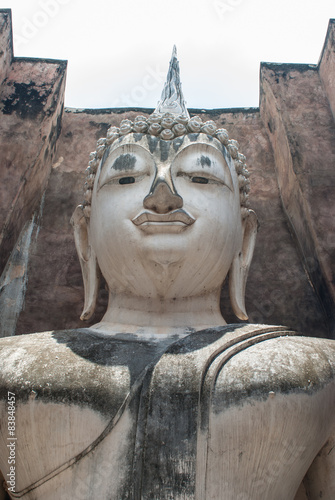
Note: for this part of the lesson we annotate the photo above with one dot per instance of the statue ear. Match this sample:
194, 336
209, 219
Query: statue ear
88, 262
241, 263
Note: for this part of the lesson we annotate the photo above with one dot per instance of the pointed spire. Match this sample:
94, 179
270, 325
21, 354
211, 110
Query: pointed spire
172, 99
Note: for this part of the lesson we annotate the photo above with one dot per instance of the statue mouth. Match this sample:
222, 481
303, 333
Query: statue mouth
174, 221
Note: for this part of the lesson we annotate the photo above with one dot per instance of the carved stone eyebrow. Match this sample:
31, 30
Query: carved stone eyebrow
207, 156
204, 156
205, 160
124, 162
125, 159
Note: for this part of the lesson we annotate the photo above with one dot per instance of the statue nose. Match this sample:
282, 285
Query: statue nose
162, 200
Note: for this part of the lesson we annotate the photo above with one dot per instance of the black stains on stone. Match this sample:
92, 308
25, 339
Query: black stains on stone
212, 113
260, 392
179, 440
178, 142
69, 135
6, 15
205, 161
55, 131
119, 351
193, 137
5, 23
224, 151
27, 100
199, 340
109, 111
102, 128
152, 143
295, 149
138, 137
80, 387
56, 97
46, 154
165, 148
124, 162
280, 68
62, 65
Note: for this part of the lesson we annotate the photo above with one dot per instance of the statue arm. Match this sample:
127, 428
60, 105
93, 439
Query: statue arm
320, 478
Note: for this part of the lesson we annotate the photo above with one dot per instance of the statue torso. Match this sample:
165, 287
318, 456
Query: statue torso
126, 417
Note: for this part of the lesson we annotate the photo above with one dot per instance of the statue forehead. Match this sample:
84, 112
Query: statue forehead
163, 150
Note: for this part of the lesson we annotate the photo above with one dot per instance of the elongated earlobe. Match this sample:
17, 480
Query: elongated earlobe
240, 266
88, 262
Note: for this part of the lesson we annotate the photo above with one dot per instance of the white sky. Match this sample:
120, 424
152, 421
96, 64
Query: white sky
118, 50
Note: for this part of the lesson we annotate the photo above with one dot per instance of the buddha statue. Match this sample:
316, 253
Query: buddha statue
162, 399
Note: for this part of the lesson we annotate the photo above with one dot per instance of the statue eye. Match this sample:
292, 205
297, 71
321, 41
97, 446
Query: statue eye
200, 180
127, 180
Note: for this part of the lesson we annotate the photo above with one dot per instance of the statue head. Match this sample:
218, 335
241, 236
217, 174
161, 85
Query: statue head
166, 208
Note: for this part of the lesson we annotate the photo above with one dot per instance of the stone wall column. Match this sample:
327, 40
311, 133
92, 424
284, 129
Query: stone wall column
300, 128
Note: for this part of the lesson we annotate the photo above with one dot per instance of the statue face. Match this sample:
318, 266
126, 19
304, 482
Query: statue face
166, 217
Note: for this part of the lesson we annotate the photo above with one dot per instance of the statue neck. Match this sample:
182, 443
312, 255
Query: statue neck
129, 314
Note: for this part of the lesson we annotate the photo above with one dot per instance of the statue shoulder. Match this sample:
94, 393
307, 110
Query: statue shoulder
71, 365
22, 351
27, 351
27, 360
284, 364
289, 354
268, 394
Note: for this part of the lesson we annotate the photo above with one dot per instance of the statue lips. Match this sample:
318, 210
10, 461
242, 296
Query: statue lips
172, 222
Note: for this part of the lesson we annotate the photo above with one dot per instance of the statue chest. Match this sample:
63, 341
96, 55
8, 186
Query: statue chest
161, 443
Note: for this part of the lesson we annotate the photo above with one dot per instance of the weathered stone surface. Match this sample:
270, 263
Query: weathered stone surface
235, 411
278, 290
31, 105
169, 419
327, 65
6, 44
295, 109
55, 284
277, 285
14, 280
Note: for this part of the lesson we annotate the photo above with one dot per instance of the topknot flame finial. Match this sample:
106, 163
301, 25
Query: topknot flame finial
169, 121
172, 99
